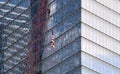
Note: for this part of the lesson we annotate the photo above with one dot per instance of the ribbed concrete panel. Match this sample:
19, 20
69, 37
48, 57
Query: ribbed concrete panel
112, 4
100, 24
98, 65
101, 53
100, 38
86, 70
101, 11
100, 28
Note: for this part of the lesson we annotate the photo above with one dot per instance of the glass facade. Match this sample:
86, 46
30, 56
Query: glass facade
1, 44
17, 17
64, 21
14, 32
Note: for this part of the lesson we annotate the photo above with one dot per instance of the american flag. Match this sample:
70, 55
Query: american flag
53, 41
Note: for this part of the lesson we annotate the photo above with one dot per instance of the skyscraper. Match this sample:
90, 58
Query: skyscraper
86, 36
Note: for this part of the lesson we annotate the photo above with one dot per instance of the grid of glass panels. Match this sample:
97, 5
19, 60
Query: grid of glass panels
14, 16
64, 21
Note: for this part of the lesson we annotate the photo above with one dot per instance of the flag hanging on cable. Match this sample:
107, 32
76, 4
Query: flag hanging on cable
53, 41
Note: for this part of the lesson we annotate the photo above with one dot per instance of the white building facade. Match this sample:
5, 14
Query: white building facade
100, 36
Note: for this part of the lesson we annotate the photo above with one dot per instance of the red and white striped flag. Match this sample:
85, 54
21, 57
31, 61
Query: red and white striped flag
53, 41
